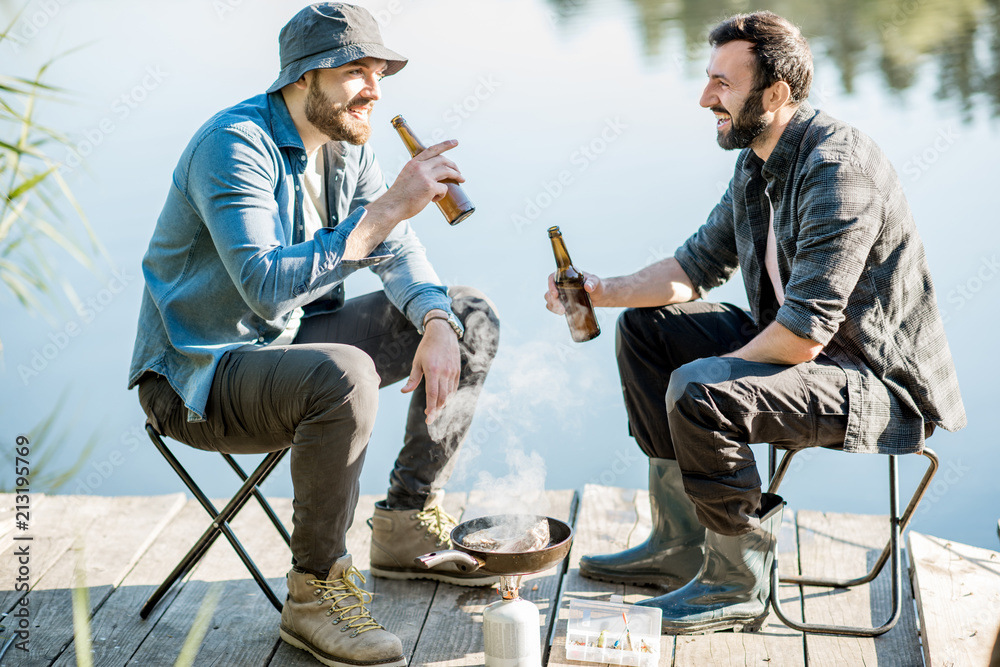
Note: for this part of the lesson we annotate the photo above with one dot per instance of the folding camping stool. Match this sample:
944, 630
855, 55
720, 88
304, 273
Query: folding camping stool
897, 524
220, 520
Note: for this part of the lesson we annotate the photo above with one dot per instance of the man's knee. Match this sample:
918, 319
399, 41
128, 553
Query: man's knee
632, 322
343, 375
640, 328
688, 382
480, 319
468, 302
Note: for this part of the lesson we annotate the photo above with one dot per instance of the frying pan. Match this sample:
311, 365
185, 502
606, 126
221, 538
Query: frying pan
468, 559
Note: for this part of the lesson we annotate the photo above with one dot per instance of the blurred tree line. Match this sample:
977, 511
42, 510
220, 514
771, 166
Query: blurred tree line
959, 38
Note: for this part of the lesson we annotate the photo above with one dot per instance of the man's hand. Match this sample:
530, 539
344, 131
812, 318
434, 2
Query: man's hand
593, 285
439, 362
419, 183
659, 284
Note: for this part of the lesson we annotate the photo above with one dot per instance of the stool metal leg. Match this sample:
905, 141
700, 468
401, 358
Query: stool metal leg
266, 506
772, 453
898, 524
220, 524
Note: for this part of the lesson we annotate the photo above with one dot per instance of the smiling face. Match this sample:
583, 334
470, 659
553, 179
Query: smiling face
732, 94
340, 100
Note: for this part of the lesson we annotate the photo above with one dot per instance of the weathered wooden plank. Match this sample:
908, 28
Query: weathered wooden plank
104, 554
607, 521
452, 633
844, 546
776, 645
54, 526
116, 627
958, 598
243, 631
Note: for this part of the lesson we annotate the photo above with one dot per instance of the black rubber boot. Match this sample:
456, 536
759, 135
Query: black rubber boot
674, 550
733, 588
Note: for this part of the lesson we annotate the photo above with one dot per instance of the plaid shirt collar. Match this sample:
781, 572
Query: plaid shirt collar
782, 158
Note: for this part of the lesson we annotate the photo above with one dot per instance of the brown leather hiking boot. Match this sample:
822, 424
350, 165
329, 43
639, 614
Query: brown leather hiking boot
328, 618
399, 536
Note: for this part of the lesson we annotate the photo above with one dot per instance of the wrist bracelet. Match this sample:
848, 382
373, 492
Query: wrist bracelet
436, 317
454, 327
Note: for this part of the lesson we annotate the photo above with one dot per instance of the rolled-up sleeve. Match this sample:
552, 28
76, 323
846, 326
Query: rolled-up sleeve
709, 257
239, 208
840, 211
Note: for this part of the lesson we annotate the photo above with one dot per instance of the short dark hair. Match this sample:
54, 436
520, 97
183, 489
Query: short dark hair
781, 52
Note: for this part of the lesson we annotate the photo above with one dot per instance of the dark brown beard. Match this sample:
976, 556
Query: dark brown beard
750, 127
334, 120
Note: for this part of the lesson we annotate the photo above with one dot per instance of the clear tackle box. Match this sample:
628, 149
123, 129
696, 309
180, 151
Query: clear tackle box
597, 632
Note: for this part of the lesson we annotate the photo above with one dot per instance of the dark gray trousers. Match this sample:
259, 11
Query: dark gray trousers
684, 402
320, 396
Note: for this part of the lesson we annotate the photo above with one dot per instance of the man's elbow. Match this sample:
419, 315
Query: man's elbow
268, 311
265, 304
805, 350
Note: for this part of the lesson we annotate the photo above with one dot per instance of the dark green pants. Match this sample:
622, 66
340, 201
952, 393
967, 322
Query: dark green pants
320, 396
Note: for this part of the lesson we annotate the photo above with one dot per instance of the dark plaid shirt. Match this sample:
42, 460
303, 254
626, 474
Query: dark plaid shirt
853, 270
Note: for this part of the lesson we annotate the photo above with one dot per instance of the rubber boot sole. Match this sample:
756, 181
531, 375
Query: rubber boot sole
749, 624
332, 661
634, 579
456, 580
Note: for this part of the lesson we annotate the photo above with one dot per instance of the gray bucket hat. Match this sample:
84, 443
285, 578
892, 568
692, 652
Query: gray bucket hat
330, 34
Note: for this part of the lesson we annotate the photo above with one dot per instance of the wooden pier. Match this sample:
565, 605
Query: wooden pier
120, 548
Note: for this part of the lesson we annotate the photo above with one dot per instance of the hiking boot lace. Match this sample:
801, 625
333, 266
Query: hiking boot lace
437, 523
341, 590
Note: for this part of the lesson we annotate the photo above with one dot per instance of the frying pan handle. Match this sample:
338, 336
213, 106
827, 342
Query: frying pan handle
465, 562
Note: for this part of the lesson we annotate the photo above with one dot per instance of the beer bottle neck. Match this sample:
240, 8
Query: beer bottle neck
406, 134
559, 250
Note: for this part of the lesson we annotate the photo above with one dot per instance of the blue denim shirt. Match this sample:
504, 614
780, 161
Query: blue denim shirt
223, 268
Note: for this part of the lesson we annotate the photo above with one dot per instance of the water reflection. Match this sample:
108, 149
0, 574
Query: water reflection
958, 39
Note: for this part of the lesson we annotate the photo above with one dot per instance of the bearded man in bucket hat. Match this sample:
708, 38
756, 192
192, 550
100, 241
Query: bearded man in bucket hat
246, 343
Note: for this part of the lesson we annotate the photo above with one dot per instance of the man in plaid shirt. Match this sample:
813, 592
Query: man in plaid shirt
843, 346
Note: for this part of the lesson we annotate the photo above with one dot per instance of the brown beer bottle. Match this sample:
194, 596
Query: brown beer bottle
455, 206
580, 315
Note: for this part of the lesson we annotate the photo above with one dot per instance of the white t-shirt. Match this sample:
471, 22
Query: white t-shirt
771, 255
314, 213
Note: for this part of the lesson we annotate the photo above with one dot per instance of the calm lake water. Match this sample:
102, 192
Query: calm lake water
582, 114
